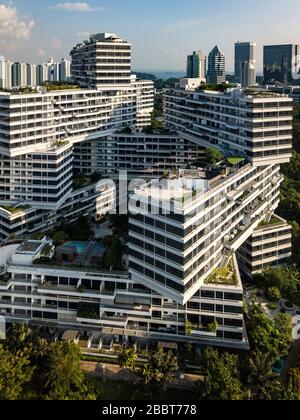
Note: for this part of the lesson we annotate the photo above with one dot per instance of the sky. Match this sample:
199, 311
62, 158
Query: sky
162, 32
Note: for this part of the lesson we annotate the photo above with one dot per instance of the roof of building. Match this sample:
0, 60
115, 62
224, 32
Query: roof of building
29, 247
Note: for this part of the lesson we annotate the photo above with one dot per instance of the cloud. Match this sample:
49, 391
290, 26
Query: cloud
12, 25
76, 7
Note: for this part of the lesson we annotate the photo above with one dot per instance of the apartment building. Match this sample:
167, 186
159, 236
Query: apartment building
112, 305
269, 246
5, 73
144, 102
255, 125
74, 115
141, 155
102, 61
92, 201
194, 223
185, 230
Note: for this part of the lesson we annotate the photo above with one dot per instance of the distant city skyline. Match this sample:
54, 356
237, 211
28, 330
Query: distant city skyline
162, 33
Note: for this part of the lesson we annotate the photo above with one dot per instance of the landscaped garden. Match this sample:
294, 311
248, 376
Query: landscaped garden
225, 275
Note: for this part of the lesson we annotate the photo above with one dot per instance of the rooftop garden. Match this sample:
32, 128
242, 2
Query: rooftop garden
51, 86
59, 143
273, 221
20, 90
225, 275
235, 160
216, 88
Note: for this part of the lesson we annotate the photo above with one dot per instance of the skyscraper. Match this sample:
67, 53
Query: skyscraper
39, 74
65, 70
31, 74
5, 73
216, 73
281, 63
245, 63
196, 65
19, 74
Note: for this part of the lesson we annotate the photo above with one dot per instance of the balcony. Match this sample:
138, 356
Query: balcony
241, 235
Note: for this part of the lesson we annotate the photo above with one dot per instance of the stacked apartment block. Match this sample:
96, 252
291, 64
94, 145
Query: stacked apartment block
190, 223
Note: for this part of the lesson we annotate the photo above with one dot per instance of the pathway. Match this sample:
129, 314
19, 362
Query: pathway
115, 373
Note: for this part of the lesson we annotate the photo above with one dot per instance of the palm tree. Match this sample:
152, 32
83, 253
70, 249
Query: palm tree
263, 382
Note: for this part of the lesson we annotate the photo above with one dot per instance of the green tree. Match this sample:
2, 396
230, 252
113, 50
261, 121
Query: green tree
266, 336
59, 237
213, 327
221, 376
262, 381
273, 294
296, 243
188, 327
111, 260
213, 156
64, 379
128, 358
284, 332
15, 372
293, 385
160, 367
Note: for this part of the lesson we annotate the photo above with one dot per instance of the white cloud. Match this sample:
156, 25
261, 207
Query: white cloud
12, 25
76, 7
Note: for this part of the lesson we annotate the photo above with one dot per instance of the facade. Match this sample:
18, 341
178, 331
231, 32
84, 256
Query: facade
196, 66
293, 91
19, 75
102, 61
216, 73
140, 155
269, 246
65, 70
144, 102
31, 74
255, 125
208, 220
92, 201
111, 305
282, 63
245, 61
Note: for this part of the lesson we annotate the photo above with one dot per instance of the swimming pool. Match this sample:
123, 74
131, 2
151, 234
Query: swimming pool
80, 246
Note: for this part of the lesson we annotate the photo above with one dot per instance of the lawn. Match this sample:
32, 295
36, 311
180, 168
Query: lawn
235, 160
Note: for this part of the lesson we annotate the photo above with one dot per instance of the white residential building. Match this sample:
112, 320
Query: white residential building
101, 62
5, 73
144, 102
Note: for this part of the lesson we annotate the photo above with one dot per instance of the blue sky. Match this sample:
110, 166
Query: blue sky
162, 32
